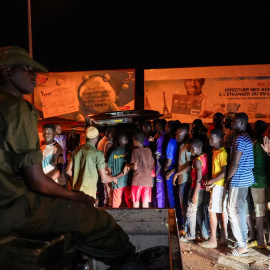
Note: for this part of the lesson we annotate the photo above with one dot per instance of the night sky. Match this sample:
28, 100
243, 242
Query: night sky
97, 35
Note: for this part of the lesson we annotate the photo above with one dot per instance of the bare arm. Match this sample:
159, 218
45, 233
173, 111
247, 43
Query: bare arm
69, 167
105, 178
109, 170
38, 182
266, 145
169, 173
132, 166
119, 175
186, 169
233, 167
54, 174
221, 175
198, 165
168, 164
183, 167
107, 148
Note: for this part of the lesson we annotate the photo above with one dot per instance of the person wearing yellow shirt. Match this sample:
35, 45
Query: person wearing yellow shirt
217, 205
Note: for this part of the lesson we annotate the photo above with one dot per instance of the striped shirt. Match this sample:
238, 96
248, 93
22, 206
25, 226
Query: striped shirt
244, 175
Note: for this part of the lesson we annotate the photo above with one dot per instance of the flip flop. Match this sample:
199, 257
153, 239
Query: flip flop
255, 244
235, 253
206, 244
252, 244
263, 247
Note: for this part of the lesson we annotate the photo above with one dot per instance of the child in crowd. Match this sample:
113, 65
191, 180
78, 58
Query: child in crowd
53, 159
62, 140
171, 160
217, 205
147, 133
108, 147
183, 174
160, 156
197, 203
141, 163
116, 163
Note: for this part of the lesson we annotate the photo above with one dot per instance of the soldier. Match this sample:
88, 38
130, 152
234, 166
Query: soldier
31, 202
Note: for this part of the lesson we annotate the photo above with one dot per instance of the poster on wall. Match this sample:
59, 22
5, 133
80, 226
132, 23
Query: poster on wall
74, 95
189, 93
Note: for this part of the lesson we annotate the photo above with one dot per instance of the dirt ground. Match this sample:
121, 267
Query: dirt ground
195, 262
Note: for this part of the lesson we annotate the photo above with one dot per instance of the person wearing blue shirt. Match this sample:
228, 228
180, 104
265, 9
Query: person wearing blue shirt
239, 179
160, 157
170, 163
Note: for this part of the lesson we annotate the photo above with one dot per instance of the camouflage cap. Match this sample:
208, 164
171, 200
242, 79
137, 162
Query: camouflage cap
15, 55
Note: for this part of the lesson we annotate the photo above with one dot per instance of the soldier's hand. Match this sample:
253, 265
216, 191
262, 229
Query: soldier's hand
86, 200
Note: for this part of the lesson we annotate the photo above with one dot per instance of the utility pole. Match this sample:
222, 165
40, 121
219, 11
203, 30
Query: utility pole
30, 29
30, 38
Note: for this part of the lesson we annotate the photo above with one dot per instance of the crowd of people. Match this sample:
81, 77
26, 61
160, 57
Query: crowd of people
209, 173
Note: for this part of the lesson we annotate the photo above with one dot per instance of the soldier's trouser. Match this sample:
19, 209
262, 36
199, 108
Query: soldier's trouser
95, 232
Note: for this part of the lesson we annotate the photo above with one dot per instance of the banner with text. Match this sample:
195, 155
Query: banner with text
189, 93
74, 95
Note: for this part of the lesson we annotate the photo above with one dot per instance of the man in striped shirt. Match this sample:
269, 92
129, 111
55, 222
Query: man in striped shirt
239, 178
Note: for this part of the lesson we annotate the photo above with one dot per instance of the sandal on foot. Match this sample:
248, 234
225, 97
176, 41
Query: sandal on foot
252, 244
235, 253
207, 244
263, 247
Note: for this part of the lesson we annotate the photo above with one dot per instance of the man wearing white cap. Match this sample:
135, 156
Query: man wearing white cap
87, 163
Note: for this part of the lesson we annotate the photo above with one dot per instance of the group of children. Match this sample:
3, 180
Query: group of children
169, 165
205, 175
202, 183
180, 163
133, 171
